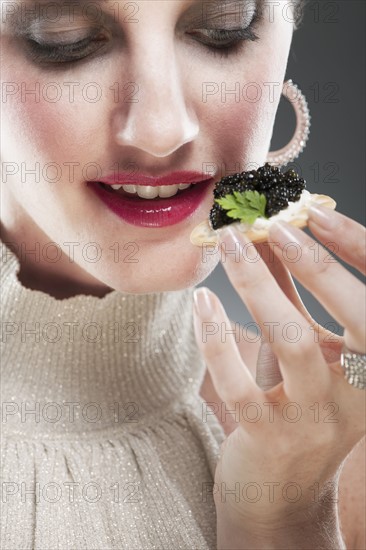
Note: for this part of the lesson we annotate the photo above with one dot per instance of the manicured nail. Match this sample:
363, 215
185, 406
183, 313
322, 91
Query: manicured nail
236, 245
203, 302
284, 233
229, 238
322, 216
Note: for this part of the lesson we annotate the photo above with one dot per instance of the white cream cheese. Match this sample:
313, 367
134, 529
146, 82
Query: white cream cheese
292, 211
295, 213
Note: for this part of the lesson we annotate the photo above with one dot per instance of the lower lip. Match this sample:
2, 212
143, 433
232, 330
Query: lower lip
159, 212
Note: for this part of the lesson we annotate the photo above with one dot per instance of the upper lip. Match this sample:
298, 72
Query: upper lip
125, 178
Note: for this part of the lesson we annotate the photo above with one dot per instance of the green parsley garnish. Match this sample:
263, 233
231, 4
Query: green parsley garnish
245, 206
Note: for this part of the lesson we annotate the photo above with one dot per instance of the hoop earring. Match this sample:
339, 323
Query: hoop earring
297, 144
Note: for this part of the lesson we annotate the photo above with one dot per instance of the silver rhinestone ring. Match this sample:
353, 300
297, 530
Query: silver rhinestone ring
354, 367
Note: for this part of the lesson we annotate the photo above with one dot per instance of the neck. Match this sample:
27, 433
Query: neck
91, 362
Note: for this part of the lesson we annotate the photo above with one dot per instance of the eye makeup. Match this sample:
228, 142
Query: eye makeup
68, 33
222, 28
225, 14
66, 52
50, 33
42, 18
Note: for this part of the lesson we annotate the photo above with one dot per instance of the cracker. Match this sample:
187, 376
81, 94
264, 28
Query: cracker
203, 233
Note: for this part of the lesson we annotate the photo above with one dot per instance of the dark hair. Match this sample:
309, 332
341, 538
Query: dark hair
299, 12
298, 8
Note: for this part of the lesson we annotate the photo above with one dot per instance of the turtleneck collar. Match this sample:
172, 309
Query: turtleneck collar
82, 364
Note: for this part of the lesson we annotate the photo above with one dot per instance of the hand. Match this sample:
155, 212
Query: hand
290, 442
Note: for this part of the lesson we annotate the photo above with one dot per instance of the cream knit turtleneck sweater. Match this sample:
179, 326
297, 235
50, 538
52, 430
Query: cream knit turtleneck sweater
104, 438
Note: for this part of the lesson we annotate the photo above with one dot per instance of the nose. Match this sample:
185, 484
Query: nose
158, 120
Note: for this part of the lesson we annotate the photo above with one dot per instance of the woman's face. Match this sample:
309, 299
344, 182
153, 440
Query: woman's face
98, 88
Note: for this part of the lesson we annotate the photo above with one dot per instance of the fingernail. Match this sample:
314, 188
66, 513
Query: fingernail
284, 233
233, 242
229, 236
322, 216
203, 302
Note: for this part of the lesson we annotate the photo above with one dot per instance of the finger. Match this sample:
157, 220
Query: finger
285, 281
281, 274
231, 378
299, 356
349, 236
340, 292
287, 285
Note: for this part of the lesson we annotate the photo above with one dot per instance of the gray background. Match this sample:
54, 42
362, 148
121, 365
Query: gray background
327, 62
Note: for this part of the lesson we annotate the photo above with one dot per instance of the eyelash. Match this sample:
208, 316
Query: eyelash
49, 53
63, 53
236, 38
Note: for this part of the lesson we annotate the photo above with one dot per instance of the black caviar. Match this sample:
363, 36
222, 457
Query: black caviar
278, 187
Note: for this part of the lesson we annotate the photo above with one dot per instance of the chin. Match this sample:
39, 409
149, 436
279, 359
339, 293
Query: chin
170, 278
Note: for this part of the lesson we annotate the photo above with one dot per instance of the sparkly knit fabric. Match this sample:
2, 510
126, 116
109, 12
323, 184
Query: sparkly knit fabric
104, 439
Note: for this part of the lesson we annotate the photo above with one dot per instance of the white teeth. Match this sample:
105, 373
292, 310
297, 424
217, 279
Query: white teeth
129, 188
147, 191
167, 190
150, 192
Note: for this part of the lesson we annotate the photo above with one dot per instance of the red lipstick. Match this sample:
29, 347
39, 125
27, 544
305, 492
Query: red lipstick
126, 178
156, 212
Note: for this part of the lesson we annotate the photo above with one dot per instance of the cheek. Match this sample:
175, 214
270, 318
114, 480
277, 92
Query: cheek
60, 143
240, 131
58, 125
241, 106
